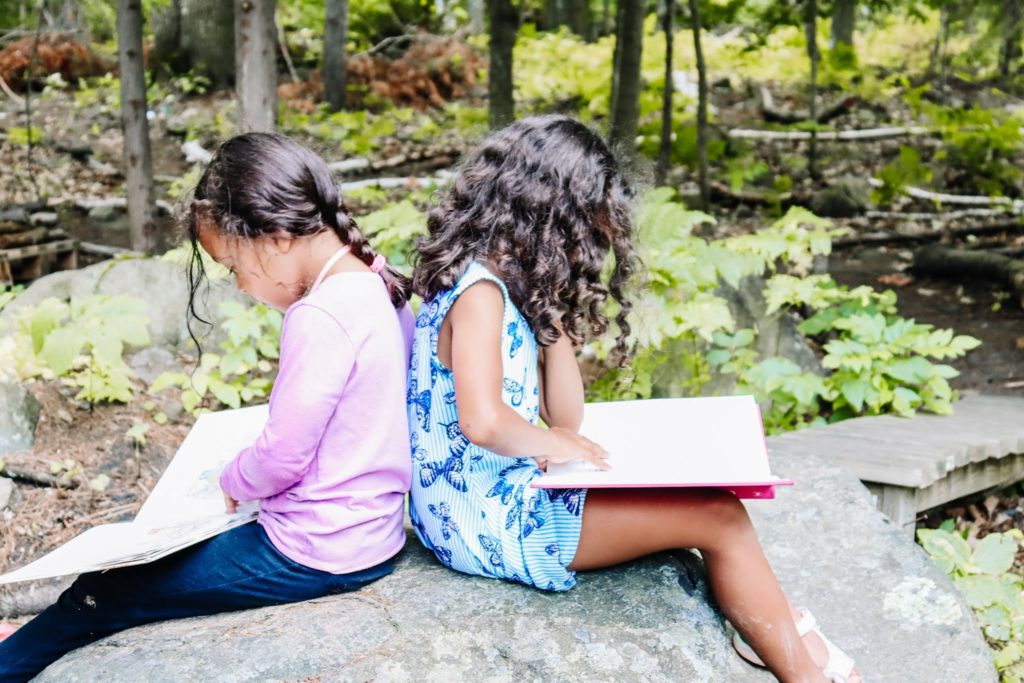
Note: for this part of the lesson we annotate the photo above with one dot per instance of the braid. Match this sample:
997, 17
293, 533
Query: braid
345, 227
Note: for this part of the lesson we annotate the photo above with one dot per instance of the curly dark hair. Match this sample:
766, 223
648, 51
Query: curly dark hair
544, 203
259, 184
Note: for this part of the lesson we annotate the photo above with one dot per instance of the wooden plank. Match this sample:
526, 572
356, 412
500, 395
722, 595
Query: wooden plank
908, 469
972, 479
967, 447
904, 463
899, 504
37, 250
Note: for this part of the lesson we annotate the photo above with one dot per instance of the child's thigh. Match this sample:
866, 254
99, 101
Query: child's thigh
624, 524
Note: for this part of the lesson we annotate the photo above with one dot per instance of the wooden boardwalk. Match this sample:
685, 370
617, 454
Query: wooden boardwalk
914, 464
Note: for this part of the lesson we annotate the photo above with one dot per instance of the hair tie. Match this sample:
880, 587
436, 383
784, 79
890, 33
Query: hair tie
378, 263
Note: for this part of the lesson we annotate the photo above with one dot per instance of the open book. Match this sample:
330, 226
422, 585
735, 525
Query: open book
680, 442
185, 507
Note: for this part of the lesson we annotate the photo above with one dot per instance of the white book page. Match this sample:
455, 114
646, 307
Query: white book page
664, 442
190, 487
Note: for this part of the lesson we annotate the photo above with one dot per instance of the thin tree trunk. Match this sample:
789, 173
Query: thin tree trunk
844, 18
625, 103
702, 108
555, 13
665, 144
1011, 50
811, 31
256, 64
579, 19
504, 26
335, 35
476, 16
606, 17
137, 157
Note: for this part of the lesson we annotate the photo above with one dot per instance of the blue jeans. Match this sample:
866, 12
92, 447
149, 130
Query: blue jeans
239, 569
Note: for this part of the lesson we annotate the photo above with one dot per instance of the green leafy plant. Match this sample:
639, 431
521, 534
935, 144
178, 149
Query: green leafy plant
982, 572
683, 326
81, 341
9, 293
243, 372
906, 170
393, 229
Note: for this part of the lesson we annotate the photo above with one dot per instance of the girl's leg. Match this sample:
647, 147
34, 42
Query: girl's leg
624, 524
239, 569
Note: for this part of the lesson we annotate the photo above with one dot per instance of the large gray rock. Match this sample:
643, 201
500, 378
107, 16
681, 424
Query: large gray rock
162, 285
19, 413
874, 591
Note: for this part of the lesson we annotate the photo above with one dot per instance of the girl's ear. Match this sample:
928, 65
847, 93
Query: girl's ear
283, 243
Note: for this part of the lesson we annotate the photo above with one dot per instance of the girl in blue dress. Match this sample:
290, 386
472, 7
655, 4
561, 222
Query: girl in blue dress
512, 276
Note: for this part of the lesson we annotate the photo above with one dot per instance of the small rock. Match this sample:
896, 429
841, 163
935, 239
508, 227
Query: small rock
848, 197
6, 489
46, 218
65, 416
16, 215
103, 213
151, 362
173, 410
19, 414
83, 405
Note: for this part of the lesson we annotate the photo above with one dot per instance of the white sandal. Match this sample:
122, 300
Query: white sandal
839, 665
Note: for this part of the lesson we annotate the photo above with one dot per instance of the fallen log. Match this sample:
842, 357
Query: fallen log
939, 261
891, 237
842, 135
1013, 205
773, 113
39, 478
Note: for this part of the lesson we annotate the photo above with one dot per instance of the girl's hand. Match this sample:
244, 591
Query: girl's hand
230, 504
566, 445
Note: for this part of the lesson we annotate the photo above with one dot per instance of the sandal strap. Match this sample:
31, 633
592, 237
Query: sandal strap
806, 623
840, 665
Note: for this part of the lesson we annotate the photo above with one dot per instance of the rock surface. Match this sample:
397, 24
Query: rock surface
19, 413
874, 592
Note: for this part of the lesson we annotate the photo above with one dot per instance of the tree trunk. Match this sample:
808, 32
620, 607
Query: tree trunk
1011, 50
606, 17
477, 11
556, 13
844, 18
811, 33
625, 102
137, 158
504, 26
335, 35
207, 38
702, 108
665, 143
579, 18
256, 65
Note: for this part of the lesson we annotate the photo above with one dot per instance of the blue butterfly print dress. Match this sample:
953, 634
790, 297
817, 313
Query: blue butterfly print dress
473, 508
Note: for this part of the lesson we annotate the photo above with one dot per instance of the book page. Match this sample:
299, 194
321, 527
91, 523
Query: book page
665, 442
190, 487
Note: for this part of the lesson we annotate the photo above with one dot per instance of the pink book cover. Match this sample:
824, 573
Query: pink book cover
713, 442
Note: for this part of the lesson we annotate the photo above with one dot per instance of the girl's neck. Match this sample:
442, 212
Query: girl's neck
321, 248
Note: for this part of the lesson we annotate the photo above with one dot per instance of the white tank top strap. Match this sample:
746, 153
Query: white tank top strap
327, 266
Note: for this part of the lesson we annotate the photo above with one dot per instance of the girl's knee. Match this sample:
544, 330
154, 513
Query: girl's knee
727, 511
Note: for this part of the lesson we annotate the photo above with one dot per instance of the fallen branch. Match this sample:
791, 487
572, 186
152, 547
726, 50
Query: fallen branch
39, 478
391, 183
888, 237
862, 134
932, 216
18, 100
1014, 205
102, 249
32, 598
941, 261
773, 113
87, 203
723, 193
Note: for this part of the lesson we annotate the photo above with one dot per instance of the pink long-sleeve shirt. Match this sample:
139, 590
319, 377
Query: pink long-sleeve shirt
331, 467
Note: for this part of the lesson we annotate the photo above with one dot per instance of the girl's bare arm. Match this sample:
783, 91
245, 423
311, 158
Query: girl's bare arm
561, 386
475, 322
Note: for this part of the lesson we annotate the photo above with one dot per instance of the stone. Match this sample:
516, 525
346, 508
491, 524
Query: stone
47, 218
162, 285
19, 413
150, 363
6, 490
846, 198
64, 416
875, 593
104, 213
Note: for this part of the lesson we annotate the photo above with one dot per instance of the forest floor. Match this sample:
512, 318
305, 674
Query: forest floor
79, 155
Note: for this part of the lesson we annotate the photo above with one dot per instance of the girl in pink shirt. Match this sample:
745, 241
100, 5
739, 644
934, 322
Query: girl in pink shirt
331, 467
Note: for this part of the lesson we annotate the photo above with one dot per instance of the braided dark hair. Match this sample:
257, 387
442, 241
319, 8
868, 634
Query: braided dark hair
258, 184
544, 202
